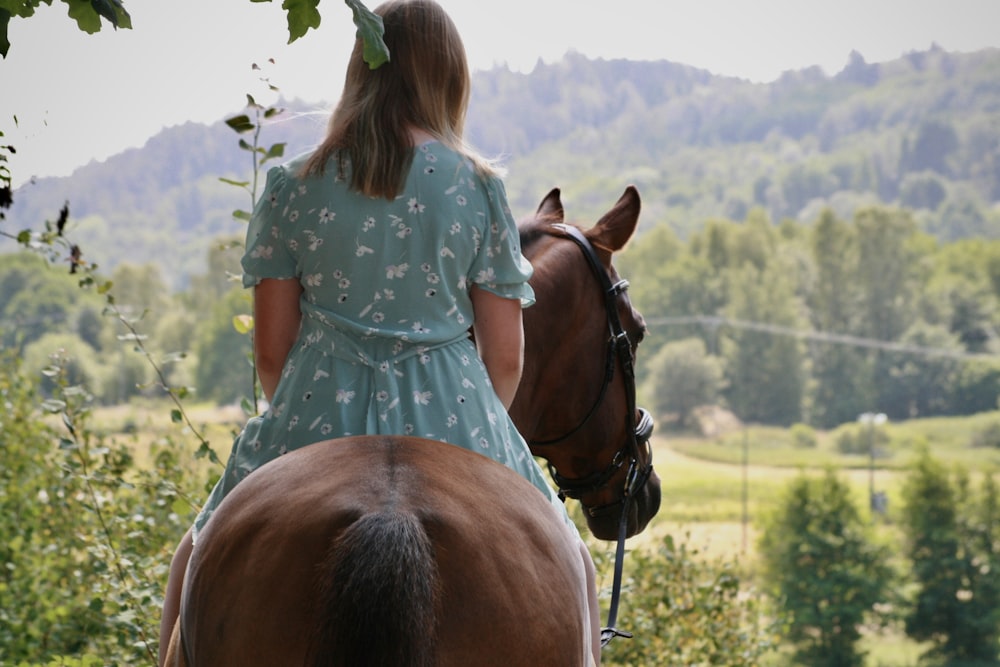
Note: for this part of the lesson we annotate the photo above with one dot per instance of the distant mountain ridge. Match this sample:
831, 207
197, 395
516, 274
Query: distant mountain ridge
922, 131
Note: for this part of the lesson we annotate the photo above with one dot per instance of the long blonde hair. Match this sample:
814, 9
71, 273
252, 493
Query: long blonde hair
425, 85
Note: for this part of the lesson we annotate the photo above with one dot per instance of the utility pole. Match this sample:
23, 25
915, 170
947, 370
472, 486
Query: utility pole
872, 420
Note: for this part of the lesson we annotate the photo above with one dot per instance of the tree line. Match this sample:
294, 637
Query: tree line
813, 323
818, 323
918, 132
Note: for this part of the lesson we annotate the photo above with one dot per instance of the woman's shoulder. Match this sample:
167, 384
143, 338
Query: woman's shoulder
294, 169
437, 158
292, 175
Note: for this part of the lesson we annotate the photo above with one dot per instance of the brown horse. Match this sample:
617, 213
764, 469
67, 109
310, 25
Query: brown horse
414, 552
576, 400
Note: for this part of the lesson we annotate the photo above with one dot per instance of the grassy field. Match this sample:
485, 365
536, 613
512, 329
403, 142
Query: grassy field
715, 490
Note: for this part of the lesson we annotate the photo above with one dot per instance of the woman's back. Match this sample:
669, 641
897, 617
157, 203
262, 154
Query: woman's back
398, 269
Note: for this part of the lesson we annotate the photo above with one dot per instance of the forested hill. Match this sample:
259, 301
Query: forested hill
922, 131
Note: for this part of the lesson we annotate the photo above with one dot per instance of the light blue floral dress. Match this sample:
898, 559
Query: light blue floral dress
384, 345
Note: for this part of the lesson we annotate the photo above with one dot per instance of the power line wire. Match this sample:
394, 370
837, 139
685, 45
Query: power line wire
715, 322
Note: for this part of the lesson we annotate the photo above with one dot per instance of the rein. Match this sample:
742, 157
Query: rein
638, 430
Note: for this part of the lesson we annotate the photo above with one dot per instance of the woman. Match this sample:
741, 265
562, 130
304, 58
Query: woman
370, 259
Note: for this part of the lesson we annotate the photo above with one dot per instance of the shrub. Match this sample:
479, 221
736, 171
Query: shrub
684, 609
85, 533
987, 436
803, 436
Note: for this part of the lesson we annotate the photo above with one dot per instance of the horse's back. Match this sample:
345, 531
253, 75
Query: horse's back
498, 572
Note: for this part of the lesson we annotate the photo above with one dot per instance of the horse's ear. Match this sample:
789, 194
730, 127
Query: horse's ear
551, 207
616, 227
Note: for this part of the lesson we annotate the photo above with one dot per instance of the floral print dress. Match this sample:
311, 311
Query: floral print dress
384, 345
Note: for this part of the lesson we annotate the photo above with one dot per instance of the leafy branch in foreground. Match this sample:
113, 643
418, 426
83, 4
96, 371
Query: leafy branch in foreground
176, 394
86, 14
241, 124
301, 15
96, 468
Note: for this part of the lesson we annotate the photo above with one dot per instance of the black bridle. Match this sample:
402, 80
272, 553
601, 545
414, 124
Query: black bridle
638, 425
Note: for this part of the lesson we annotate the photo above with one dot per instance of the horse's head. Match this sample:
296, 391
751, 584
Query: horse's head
576, 402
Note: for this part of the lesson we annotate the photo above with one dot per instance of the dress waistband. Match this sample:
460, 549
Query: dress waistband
372, 350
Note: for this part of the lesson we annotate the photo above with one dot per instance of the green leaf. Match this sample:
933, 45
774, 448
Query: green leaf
241, 184
206, 450
240, 123
4, 41
241, 215
277, 150
53, 405
180, 507
86, 17
302, 15
67, 422
243, 323
176, 416
113, 11
172, 357
370, 29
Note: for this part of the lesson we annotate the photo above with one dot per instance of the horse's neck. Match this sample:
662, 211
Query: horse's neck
556, 365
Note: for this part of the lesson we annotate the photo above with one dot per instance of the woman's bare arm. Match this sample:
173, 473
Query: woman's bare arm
276, 317
500, 338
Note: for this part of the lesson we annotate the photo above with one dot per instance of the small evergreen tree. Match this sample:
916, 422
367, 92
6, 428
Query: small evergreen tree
822, 565
952, 543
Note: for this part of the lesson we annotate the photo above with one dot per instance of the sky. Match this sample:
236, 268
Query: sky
79, 97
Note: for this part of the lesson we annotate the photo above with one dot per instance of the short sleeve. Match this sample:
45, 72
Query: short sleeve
500, 267
267, 255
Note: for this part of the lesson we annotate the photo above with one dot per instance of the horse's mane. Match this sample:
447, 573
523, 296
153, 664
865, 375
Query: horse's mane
532, 229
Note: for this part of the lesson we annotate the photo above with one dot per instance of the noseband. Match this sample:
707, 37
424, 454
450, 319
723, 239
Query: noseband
638, 430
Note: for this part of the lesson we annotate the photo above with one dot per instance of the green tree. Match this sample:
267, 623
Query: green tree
764, 371
840, 391
224, 372
890, 270
934, 143
139, 292
682, 377
824, 568
921, 384
35, 300
223, 272
954, 555
82, 365
977, 387
672, 288
90, 325
922, 190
